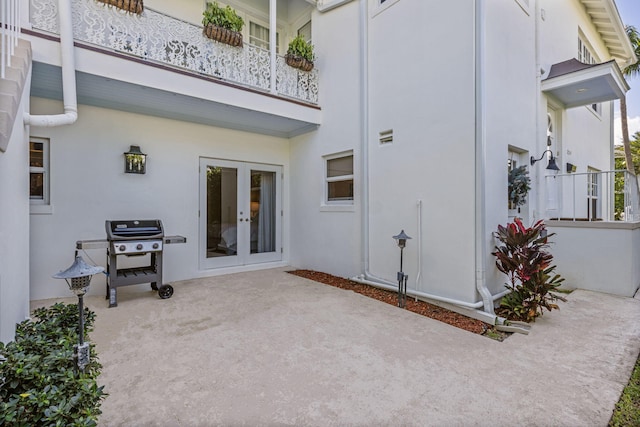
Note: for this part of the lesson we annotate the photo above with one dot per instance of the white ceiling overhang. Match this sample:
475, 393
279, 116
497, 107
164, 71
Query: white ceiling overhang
605, 17
574, 83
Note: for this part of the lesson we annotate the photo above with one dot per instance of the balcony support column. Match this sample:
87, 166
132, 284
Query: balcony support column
273, 30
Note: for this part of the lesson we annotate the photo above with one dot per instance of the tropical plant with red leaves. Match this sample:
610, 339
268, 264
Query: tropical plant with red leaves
524, 258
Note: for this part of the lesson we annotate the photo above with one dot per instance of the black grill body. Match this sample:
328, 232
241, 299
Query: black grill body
131, 238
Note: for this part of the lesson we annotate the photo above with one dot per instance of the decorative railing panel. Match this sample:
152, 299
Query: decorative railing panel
162, 38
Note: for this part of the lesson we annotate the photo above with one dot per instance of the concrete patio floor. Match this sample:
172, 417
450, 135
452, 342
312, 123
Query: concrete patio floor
270, 348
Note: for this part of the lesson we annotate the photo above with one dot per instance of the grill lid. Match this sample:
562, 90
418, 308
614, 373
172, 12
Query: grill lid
134, 229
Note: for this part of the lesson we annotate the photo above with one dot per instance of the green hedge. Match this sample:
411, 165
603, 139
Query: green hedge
39, 380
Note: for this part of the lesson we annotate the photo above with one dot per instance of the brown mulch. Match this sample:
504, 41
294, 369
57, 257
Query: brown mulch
419, 307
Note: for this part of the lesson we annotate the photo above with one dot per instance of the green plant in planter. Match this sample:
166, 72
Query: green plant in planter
300, 47
300, 54
519, 186
222, 17
524, 259
222, 24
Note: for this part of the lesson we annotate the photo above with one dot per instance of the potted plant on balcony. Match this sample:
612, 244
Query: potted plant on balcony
300, 54
222, 24
134, 6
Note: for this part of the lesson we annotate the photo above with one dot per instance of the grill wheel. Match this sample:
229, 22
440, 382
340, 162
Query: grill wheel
165, 291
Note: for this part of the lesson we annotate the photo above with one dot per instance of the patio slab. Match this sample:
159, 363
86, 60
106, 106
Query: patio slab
270, 348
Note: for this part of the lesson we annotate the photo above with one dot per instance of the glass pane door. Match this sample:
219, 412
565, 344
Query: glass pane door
240, 213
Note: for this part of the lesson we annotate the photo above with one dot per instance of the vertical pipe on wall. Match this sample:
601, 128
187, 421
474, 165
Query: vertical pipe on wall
69, 97
3, 51
480, 161
419, 242
272, 43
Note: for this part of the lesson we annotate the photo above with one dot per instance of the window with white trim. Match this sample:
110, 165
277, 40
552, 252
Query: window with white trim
339, 179
305, 31
259, 36
39, 171
586, 56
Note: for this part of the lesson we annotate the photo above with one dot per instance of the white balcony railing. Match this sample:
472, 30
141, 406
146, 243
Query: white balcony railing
158, 37
9, 32
593, 196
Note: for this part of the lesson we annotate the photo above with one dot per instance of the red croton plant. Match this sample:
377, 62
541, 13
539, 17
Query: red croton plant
524, 258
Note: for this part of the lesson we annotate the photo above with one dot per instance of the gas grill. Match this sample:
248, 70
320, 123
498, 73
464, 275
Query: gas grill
128, 239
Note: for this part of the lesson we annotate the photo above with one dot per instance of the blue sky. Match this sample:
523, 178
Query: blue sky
630, 13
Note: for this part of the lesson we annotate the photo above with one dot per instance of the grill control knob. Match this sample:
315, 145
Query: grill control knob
156, 246
139, 246
122, 248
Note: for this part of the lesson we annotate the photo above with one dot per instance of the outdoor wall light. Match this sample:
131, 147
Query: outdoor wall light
552, 160
402, 278
571, 168
135, 161
78, 277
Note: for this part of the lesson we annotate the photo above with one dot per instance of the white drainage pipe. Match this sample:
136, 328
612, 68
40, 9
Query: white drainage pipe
69, 97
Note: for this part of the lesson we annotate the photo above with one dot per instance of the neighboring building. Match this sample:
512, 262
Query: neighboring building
410, 120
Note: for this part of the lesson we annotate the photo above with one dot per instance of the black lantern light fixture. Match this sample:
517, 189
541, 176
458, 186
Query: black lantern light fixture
135, 161
78, 277
552, 160
402, 278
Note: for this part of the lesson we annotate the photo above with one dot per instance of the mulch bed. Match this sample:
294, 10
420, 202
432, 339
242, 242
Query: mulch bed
420, 307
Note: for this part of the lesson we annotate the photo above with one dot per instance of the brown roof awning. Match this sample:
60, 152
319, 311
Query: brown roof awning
574, 83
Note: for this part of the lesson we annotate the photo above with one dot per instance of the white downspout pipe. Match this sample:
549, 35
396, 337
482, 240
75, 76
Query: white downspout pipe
480, 166
70, 101
367, 277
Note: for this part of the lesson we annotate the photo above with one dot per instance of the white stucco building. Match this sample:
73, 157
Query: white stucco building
408, 121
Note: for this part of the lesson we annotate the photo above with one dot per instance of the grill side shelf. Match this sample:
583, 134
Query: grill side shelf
92, 244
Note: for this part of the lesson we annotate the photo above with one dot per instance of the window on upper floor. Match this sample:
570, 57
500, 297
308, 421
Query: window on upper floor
586, 56
259, 36
305, 31
339, 178
39, 171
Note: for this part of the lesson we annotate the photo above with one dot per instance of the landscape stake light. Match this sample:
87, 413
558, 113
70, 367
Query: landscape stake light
78, 277
402, 278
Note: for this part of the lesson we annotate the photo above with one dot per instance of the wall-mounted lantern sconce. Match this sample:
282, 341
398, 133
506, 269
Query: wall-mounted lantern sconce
571, 168
135, 161
552, 161
402, 278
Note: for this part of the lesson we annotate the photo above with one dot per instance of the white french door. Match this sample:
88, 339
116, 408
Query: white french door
240, 213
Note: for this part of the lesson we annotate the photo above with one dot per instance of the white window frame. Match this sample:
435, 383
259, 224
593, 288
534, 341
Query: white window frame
332, 205
586, 56
41, 205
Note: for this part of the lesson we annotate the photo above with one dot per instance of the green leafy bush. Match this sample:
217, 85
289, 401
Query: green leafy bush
524, 259
222, 17
300, 47
39, 380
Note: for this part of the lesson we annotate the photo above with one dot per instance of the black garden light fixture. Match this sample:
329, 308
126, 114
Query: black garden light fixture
78, 277
402, 278
135, 161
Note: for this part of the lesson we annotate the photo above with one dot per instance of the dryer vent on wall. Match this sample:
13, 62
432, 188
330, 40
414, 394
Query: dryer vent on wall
386, 136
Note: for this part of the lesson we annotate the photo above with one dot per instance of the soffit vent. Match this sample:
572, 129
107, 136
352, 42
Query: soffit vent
386, 136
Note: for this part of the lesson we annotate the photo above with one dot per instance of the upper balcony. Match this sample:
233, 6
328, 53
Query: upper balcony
168, 57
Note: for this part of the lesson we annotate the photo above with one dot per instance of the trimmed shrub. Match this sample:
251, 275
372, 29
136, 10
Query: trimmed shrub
40, 383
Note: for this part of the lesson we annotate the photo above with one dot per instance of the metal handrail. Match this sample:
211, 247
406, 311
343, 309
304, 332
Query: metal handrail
570, 194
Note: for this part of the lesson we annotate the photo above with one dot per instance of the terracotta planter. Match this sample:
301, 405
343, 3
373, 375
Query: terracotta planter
223, 35
133, 6
299, 62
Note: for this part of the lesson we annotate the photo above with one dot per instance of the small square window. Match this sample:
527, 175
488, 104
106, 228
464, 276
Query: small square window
339, 179
39, 171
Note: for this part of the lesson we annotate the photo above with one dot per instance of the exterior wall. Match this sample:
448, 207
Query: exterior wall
326, 238
423, 88
14, 225
583, 137
612, 265
512, 119
89, 186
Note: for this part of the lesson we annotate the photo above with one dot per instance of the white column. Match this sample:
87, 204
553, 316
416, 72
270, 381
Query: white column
272, 42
